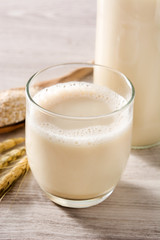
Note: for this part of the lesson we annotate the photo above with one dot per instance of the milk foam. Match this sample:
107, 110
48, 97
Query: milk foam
88, 136
60, 92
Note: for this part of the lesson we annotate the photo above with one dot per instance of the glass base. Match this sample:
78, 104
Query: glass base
146, 146
78, 203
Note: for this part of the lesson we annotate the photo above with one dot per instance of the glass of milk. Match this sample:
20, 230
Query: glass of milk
78, 132
128, 39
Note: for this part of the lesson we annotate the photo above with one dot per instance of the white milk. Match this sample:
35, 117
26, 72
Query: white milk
128, 39
76, 159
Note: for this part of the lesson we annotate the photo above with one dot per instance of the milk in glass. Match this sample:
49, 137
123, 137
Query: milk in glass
72, 158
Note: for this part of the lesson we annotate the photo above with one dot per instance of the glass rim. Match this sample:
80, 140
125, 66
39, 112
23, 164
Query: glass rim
80, 64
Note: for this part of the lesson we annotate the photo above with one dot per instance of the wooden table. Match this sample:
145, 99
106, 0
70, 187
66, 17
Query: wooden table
36, 34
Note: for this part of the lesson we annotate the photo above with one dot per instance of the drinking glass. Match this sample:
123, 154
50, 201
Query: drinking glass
78, 132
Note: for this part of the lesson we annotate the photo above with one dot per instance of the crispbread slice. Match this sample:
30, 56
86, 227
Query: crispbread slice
12, 106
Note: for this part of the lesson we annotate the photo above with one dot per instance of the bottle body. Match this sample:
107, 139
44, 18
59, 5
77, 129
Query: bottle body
128, 39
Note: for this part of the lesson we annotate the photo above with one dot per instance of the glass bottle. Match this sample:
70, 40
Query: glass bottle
128, 39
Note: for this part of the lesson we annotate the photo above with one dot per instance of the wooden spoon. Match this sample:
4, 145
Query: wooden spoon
12, 101
12, 127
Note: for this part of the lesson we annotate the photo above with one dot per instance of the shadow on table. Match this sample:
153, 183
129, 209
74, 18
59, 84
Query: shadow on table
129, 210
150, 155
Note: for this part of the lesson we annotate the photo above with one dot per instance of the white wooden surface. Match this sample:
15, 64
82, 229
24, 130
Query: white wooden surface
36, 34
